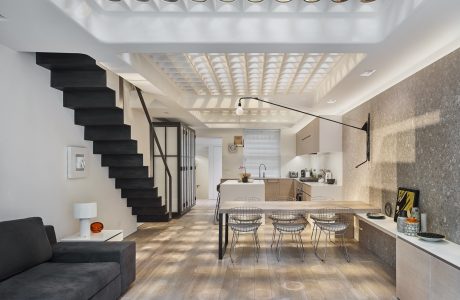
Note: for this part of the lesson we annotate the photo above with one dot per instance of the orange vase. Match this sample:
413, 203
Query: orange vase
96, 227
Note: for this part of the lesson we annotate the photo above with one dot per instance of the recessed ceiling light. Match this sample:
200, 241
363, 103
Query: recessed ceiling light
339, 1
143, 0
331, 101
311, 1
367, 1
283, 1
255, 1
367, 73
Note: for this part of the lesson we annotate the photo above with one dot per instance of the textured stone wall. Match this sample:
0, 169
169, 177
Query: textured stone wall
415, 143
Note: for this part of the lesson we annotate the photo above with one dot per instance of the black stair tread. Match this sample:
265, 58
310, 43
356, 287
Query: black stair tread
122, 160
54, 61
107, 132
100, 98
99, 116
150, 211
68, 80
134, 183
145, 202
153, 218
128, 172
115, 147
139, 193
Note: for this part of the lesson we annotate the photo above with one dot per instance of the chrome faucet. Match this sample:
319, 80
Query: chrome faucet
265, 169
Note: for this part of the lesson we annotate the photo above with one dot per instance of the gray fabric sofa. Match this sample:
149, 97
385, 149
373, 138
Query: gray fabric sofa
34, 266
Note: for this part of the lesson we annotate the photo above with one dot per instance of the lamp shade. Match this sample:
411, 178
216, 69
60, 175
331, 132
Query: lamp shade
84, 210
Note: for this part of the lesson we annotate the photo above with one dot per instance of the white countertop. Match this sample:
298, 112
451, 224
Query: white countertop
236, 182
315, 184
444, 250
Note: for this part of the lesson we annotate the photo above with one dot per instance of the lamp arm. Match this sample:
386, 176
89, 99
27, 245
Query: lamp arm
303, 112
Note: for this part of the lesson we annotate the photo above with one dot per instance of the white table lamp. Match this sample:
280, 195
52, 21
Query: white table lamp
84, 212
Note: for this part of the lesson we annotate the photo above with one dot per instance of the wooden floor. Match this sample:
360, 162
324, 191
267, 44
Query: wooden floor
178, 260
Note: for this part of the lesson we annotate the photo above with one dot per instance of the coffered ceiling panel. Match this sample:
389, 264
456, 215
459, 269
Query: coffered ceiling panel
238, 6
226, 74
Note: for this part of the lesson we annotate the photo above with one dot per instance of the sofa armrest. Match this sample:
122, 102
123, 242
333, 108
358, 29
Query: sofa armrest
51, 234
123, 253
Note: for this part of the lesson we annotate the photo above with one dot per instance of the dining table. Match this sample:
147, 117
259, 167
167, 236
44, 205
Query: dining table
269, 207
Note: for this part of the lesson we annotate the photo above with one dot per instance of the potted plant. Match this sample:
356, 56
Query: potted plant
245, 175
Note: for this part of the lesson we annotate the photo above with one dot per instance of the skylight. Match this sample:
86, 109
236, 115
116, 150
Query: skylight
228, 74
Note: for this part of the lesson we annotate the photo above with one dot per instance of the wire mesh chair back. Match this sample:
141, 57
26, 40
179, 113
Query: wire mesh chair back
289, 220
337, 219
240, 215
287, 216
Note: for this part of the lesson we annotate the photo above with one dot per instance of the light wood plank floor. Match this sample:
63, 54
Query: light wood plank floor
178, 260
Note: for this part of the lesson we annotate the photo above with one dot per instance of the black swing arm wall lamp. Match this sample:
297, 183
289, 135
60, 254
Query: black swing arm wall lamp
366, 127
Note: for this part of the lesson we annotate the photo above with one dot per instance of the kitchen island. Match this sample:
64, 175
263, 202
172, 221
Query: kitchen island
234, 190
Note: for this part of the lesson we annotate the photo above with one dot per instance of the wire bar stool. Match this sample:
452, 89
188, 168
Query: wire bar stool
332, 220
216, 210
245, 220
289, 222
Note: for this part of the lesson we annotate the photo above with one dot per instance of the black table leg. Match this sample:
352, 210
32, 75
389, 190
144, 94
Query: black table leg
221, 254
223, 240
226, 231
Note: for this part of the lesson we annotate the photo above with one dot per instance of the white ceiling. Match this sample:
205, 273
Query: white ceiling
196, 59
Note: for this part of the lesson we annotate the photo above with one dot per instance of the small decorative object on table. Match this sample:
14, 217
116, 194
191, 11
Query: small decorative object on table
402, 220
412, 227
430, 237
375, 216
96, 227
388, 209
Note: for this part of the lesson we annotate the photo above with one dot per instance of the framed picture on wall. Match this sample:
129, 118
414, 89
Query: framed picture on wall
406, 199
76, 162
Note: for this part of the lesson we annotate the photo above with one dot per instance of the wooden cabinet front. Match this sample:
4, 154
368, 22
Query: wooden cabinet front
272, 189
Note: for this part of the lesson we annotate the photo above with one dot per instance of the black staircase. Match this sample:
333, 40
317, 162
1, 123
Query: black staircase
85, 91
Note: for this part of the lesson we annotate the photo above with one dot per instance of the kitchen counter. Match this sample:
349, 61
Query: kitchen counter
234, 190
297, 180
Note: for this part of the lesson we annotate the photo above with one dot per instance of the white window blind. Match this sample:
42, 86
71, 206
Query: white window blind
262, 146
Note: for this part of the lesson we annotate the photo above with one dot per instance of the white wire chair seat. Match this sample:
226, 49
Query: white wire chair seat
245, 227
290, 227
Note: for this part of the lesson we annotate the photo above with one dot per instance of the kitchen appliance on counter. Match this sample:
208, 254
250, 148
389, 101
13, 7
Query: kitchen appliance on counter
293, 174
308, 179
305, 173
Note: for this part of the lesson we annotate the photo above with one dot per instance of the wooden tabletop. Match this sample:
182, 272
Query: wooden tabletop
305, 206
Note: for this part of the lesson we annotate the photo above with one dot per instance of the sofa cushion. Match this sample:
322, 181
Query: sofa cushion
60, 281
24, 244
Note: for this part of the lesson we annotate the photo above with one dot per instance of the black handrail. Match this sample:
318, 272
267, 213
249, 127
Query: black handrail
157, 142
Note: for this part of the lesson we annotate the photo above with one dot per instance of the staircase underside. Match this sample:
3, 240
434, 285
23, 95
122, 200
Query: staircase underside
84, 86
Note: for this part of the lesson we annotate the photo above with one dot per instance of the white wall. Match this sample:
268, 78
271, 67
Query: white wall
329, 161
202, 176
34, 131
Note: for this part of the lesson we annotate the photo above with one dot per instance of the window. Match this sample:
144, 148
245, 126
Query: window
262, 146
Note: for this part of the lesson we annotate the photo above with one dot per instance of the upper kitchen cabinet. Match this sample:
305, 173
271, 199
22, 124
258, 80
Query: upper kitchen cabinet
319, 136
